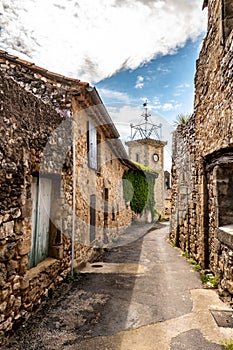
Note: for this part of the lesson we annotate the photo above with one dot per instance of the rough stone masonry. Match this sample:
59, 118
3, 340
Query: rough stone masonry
202, 188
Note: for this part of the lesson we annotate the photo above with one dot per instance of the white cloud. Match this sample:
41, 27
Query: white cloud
170, 106
183, 86
163, 69
114, 95
140, 82
167, 106
93, 40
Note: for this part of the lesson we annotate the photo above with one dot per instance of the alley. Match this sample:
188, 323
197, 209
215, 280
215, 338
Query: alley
142, 295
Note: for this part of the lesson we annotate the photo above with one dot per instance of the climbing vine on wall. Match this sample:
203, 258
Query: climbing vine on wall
138, 189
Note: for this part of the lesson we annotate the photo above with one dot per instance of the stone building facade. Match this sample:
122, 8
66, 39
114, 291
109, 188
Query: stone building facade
150, 153
45, 117
202, 171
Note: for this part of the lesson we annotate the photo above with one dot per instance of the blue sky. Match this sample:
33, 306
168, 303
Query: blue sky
129, 49
166, 81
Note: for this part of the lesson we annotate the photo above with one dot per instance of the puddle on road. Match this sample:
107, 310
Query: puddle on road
102, 267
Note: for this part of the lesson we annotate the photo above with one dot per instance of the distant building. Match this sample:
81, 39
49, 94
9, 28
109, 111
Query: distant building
145, 147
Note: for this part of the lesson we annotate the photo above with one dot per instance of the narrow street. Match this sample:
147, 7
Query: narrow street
143, 295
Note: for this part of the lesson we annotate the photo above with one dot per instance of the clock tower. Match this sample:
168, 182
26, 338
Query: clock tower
145, 147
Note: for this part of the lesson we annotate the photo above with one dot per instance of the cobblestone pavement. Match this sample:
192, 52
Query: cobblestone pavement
142, 295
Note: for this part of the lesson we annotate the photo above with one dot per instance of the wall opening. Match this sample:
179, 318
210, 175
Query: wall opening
224, 190
41, 205
227, 17
92, 218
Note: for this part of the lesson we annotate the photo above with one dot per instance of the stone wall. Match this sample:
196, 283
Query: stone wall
202, 152
36, 142
25, 125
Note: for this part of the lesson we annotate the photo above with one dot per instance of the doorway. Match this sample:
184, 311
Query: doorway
41, 204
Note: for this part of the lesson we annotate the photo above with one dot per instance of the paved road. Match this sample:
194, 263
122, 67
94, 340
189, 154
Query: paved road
140, 296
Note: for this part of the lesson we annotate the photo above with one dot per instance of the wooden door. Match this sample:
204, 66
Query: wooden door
41, 203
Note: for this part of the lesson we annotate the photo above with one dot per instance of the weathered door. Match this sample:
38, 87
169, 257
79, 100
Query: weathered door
41, 203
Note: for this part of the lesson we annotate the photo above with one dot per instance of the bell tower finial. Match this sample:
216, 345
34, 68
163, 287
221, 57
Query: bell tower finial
146, 129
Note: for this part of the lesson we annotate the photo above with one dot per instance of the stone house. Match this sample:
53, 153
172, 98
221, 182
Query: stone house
202, 171
56, 136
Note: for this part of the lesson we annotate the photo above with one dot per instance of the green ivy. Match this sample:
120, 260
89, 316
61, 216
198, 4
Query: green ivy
139, 190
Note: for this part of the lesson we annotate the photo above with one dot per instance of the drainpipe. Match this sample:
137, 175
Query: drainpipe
73, 201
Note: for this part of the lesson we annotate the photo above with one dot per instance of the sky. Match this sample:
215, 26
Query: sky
130, 50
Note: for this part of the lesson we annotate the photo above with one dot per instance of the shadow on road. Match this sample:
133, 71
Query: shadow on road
95, 304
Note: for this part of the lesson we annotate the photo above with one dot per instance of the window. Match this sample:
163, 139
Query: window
41, 203
92, 217
137, 157
227, 18
224, 183
113, 214
92, 146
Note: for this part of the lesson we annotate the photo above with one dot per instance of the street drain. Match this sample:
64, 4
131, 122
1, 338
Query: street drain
96, 266
223, 318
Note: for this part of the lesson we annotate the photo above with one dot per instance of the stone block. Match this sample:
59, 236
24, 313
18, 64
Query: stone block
229, 286
24, 246
24, 283
7, 325
12, 267
7, 251
23, 266
3, 306
8, 229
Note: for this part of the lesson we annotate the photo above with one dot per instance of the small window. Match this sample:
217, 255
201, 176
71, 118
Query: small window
92, 218
113, 214
92, 145
227, 18
224, 183
137, 157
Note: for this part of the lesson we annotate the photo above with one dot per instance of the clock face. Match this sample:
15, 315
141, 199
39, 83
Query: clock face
155, 157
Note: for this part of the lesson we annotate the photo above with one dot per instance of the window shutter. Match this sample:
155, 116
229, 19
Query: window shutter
92, 146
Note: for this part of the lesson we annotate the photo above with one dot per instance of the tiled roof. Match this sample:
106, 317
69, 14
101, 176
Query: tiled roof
32, 66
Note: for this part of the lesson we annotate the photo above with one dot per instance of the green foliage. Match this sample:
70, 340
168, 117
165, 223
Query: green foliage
186, 255
197, 268
146, 168
193, 262
138, 188
69, 278
228, 344
162, 219
209, 280
173, 244
182, 119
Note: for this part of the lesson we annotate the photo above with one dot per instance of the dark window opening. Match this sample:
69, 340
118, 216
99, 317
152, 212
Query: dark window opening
224, 183
113, 214
227, 18
92, 217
